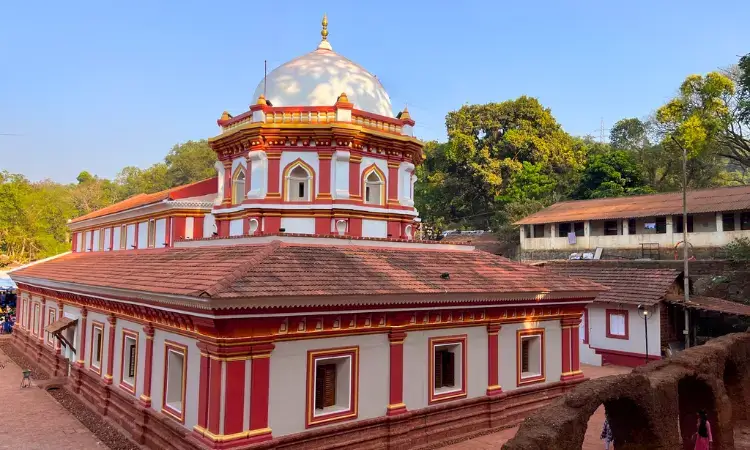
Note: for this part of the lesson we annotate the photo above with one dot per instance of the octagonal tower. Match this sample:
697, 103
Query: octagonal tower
319, 152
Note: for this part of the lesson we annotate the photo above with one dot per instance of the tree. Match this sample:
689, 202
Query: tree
611, 173
189, 162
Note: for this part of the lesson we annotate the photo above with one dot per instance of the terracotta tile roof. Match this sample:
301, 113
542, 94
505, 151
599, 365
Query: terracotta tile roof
627, 285
279, 269
735, 198
199, 188
712, 304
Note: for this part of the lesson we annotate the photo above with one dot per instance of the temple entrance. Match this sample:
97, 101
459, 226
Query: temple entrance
695, 395
628, 423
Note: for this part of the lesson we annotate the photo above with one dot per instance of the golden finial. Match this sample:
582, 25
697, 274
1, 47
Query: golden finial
261, 100
342, 98
225, 115
324, 31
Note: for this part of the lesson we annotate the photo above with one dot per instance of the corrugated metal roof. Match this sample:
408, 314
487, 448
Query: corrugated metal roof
735, 198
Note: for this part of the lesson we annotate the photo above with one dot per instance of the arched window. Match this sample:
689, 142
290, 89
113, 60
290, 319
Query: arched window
374, 189
238, 186
298, 184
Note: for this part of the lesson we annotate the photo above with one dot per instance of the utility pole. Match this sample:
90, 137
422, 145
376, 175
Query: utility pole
601, 131
686, 279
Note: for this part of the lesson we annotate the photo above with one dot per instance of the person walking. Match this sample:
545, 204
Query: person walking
606, 434
702, 437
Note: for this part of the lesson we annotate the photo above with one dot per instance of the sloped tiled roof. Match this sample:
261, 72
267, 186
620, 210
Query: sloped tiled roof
734, 198
712, 304
279, 269
627, 285
199, 188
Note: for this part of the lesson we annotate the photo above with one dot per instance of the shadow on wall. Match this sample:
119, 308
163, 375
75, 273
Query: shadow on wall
655, 406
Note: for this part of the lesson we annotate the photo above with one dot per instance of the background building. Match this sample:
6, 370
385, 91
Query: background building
638, 226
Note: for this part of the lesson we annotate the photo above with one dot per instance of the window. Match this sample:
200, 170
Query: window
332, 385
447, 368
36, 319
661, 225
610, 228
563, 229
129, 360
745, 221
123, 237
173, 402
151, 233
578, 228
631, 226
530, 363
727, 221
539, 231
238, 186
51, 317
678, 224
617, 324
374, 188
97, 346
583, 330
298, 184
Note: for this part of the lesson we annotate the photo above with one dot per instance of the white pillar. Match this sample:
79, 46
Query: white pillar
719, 222
625, 229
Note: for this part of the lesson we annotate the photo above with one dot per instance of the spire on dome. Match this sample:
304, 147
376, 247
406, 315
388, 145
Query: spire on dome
324, 44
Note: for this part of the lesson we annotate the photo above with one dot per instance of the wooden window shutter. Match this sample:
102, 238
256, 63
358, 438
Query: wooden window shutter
330, 385
525, 355
325, 386
449, 373
131, 369
320, 380
438, 369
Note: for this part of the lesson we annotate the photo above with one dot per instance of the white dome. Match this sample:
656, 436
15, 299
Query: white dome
319, 77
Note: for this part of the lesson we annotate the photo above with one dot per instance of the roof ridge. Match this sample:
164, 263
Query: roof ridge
654, 194
242, 269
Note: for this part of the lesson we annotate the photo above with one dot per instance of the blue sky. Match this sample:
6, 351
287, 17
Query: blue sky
101, 85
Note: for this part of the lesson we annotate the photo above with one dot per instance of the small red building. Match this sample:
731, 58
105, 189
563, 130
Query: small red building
311, 317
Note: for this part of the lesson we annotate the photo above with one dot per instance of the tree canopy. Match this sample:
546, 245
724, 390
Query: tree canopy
35, 214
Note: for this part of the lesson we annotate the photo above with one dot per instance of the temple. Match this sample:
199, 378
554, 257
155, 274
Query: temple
290, 302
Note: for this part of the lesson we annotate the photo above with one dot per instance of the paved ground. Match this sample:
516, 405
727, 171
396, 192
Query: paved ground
32, 420
592, 441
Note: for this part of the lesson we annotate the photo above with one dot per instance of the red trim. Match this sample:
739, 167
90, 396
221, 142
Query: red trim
396, 374
393, 183
234, 395
51, 317
274, 172
198, 227
203, 389
493, 364
148, 366
95, 325
350, 413
618, 312
165, 408
42, 319
575, 360
124, 385
354, 178
324, 166
214, 395
82, 350
111, 349
460, 393
260, 385
627, 359
227, 182
566, 344
520, 381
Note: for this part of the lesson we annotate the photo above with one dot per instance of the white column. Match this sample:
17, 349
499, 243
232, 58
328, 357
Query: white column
625, 229
719, 222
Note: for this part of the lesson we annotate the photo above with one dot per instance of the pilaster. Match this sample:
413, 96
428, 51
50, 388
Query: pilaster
145, 398
493, 365
571, 369
396, 403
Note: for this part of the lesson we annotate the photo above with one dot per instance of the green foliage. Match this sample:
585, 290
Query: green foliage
34, 220
611, 173
738, 249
